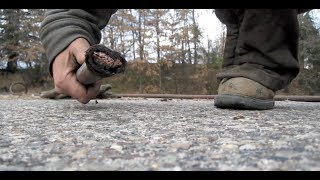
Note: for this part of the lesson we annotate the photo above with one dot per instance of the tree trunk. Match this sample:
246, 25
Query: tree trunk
12, 63
195, 33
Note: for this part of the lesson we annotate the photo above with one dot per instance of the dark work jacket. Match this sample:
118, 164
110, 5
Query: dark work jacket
62, 26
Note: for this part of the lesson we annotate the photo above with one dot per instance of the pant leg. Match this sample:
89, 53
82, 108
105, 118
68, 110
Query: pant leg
262, 45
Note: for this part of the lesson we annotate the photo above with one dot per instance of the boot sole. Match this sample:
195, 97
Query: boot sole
228, 101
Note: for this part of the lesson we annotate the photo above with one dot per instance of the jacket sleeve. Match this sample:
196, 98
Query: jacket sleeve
300, 11
62, 26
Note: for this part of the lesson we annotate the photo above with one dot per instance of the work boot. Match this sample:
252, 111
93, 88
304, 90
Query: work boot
243, 93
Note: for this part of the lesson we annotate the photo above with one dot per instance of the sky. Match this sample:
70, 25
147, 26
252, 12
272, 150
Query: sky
212, 27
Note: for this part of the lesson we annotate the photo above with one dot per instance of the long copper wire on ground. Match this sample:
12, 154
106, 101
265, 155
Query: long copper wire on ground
92, 77
183, 96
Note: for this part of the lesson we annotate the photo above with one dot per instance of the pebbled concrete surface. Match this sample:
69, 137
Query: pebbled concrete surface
156, 135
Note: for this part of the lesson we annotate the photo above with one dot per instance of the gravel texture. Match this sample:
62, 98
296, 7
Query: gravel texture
135, 134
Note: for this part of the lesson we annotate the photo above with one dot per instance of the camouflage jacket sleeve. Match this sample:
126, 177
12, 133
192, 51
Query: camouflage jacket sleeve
61, 26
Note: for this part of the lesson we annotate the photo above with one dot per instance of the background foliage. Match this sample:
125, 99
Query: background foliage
164, 48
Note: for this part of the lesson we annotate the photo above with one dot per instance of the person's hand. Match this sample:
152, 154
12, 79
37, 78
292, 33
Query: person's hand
64, 70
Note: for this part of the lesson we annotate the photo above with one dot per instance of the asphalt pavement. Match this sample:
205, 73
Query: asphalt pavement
154, 134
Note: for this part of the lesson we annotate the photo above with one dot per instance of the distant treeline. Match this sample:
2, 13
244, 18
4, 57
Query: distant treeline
164, 47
